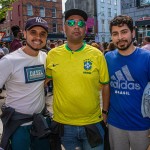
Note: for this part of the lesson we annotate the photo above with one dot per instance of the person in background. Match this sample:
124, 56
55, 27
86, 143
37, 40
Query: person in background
95, 45
1, 53
5, 49
52, 45
16, 43
146, 43
24, 43
110, 47
24, 108
65, 41
129, 70
48, 44
135, 43
77, 69
104, 44
1, 97
60, 42
101, 47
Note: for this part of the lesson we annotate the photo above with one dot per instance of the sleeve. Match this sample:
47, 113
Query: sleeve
48, 66
103, 70
5, 70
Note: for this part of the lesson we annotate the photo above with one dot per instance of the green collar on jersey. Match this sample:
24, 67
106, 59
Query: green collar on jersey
81, 48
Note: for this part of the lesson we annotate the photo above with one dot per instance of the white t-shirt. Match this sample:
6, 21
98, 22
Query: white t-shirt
23, 76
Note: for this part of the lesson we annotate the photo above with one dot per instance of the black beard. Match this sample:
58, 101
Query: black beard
124, 48
35, 49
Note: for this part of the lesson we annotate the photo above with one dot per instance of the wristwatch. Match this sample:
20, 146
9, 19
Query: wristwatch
104, 112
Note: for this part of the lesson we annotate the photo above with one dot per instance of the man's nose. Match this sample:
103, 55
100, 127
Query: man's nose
120, 36
38, 36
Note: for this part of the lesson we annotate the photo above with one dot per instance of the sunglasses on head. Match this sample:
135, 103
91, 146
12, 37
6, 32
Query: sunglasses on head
72, 23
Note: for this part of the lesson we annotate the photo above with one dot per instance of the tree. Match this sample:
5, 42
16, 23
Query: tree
5, 5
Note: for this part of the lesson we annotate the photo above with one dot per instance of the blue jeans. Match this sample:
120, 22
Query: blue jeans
22, 140
75, 136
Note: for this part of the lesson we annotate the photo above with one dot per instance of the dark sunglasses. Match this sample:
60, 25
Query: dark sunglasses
72, 23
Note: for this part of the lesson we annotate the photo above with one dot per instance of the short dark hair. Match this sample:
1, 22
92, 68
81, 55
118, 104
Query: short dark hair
111, 46
120, 21
15, 30
147, 38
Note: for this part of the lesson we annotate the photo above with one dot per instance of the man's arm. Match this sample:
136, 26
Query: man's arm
46, 81
105, 99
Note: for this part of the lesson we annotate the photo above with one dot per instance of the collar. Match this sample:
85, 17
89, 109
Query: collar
81, 48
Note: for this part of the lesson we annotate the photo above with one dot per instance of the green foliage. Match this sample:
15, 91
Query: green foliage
5, 5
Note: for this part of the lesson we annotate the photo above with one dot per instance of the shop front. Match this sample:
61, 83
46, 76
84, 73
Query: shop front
142, 27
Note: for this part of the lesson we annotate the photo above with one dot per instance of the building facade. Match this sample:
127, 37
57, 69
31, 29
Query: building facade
50, 10
139, 10
106, 10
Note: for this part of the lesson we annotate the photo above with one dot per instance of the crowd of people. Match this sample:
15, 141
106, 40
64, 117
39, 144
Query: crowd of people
76, 69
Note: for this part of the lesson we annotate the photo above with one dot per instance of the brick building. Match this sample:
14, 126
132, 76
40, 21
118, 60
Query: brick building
50, 10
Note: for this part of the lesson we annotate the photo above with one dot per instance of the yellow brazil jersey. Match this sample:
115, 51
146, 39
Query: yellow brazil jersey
76, 78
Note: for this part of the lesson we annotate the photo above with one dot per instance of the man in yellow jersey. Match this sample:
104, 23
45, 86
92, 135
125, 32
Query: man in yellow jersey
77, 70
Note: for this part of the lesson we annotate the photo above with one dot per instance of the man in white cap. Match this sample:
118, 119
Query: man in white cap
24, 81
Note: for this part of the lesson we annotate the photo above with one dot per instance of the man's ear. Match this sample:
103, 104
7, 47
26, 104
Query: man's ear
133, 33
64, 29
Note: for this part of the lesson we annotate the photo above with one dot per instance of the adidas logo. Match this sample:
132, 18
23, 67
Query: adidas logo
123, 82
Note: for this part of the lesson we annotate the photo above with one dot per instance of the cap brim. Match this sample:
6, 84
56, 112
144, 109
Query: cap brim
35, 26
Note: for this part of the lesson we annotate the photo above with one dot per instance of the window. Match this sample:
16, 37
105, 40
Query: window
48, 0
54, 28
102, 11
103, 25
53, 12
11, 15
18, 10
108, 22
102, 1
115, 12
54, 0
7, 16
103, 39
144, 2
42, 11
109, 12
115, 2
109, 1
29, 10
20, 23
